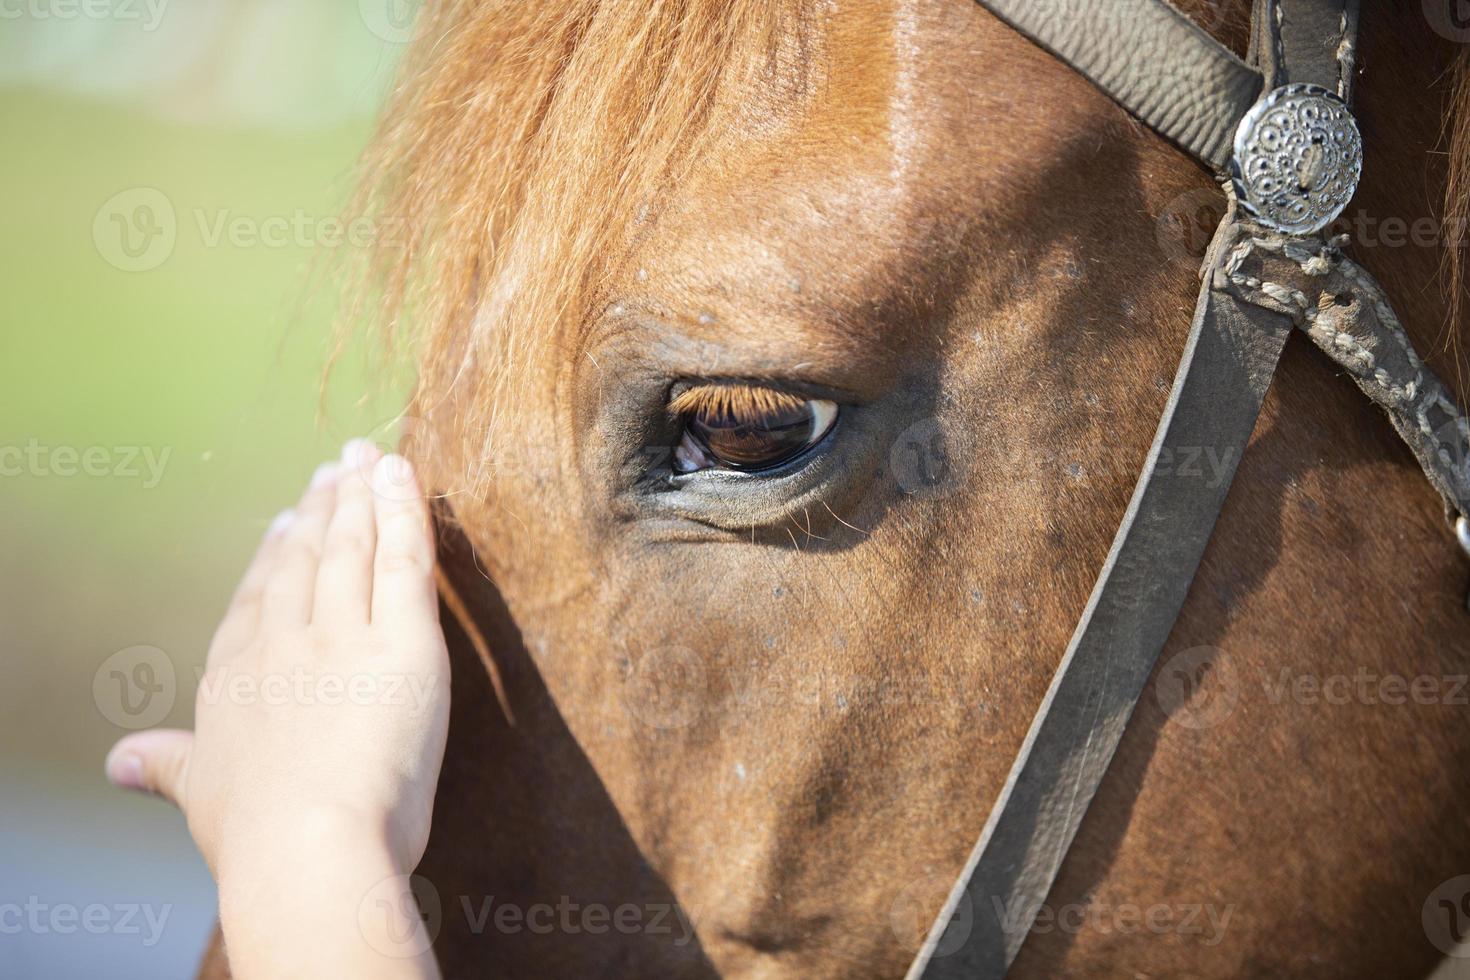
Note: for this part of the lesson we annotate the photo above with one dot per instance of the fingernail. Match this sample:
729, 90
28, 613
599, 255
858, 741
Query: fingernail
125, 771
281, 522
392, 474
324, 474
354, 451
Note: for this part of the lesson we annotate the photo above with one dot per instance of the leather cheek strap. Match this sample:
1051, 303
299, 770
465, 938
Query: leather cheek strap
1310, 41
1258, 286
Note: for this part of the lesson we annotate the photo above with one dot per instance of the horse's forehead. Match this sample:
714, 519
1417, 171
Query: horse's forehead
918, 122
906, 141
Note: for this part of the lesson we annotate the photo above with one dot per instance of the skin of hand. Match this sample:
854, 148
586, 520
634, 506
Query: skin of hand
308, 782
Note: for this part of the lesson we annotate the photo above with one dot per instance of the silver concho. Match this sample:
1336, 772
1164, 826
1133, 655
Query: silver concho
1298, 155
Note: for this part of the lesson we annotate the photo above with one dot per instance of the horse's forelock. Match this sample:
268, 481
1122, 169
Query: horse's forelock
522, 147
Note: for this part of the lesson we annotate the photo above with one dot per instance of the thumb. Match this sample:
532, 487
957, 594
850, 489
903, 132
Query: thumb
154, 761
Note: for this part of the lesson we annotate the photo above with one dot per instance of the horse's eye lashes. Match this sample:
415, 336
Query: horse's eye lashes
734, 401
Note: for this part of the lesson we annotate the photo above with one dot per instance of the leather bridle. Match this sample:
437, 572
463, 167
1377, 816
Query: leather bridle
1278, 133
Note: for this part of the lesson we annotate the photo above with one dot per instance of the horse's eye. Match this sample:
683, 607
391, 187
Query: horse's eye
741, 427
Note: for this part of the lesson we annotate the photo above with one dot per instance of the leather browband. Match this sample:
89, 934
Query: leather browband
1185, 85
1152, 60
1313, 42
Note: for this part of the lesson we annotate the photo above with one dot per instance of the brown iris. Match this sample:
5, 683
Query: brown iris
743, 427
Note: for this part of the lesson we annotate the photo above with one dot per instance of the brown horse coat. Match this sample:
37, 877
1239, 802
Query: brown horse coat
758, 724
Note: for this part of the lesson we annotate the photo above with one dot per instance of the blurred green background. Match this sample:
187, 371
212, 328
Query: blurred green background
170, 172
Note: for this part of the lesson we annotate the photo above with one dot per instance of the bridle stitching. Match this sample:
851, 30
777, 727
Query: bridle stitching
1344, 53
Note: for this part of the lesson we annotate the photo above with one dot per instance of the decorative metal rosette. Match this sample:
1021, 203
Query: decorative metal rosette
1298, 156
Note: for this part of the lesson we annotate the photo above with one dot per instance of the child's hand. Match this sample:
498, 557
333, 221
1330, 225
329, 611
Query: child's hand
321, 718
